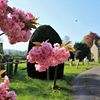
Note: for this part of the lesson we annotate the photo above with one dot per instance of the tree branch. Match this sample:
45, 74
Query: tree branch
2, 34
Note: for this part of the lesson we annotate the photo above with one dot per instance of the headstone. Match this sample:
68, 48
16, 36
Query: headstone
77, 62
41, 34
71, 62
85, 60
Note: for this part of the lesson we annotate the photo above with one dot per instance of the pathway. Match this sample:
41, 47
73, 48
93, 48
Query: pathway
86, 86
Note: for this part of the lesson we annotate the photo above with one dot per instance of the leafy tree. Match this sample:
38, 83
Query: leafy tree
82, 50
79, 55
88, 39
71, 55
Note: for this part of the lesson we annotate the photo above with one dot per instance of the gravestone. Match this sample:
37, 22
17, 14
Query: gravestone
43, 33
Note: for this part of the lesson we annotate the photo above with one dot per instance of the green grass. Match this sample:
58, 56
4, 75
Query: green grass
35, 89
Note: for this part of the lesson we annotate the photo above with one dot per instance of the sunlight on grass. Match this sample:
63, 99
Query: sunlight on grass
34, 89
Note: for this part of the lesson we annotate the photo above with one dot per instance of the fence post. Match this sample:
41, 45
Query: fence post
10, 67
16, 66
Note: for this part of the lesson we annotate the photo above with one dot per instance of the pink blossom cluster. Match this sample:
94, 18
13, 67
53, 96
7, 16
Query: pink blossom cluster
4, 93
46, 56
41, 56
15, 23
60, 55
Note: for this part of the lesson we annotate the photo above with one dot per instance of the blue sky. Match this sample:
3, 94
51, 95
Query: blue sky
62, 16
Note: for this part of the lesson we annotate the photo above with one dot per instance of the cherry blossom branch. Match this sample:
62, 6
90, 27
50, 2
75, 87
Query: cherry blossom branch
16, 23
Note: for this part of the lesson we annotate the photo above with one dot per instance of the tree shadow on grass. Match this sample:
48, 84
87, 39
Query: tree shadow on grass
69, 78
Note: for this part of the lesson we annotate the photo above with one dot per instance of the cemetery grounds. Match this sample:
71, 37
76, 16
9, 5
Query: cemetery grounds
27, 88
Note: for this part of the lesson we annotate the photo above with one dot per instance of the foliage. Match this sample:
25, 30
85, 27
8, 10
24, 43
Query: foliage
15, 53
72, 55
43, 33
82, 50
88, 39
79, 55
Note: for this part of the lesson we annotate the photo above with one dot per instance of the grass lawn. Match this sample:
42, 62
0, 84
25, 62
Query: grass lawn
35, 89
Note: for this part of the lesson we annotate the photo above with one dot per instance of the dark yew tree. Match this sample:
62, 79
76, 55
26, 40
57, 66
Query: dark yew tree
72, 55
79, 55
82, 50
43, 33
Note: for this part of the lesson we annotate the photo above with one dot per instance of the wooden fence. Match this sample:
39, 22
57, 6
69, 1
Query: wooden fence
9, 68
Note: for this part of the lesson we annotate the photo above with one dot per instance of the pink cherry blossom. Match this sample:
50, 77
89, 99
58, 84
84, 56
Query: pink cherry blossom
11, 95
4, 93
6, 81
15, 23
60, 55
46, 56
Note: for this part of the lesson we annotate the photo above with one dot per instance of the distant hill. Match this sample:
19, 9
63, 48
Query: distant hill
13, 52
